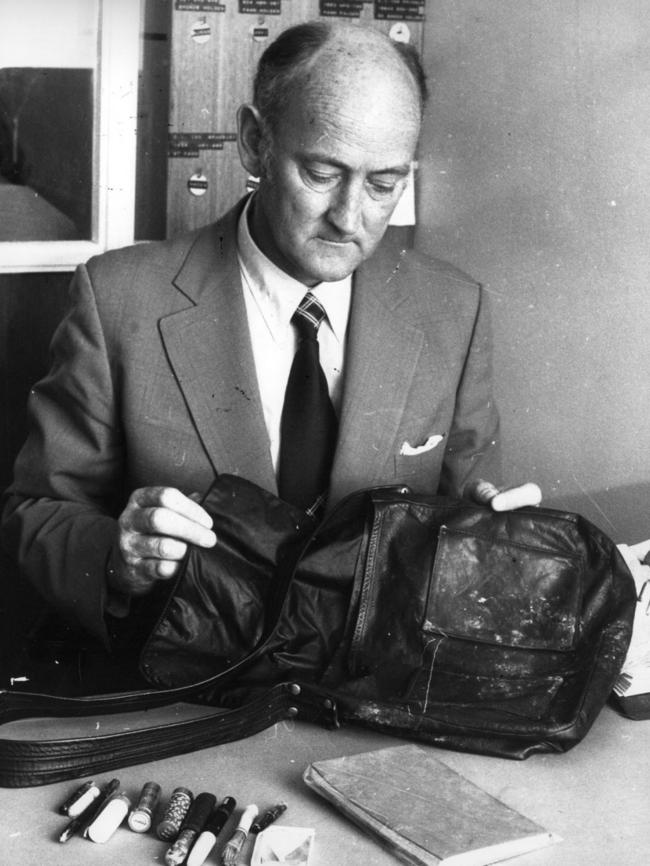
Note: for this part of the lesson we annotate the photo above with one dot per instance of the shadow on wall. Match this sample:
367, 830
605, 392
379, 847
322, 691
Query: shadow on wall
621, 512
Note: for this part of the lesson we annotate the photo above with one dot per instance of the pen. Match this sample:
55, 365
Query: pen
192, 825
80, 824
77, 802
268, 818
236, 842
208, 836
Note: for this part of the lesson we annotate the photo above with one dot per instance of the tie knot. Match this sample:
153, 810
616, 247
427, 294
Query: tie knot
309, 316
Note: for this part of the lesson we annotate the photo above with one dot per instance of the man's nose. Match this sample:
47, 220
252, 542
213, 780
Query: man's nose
345, 208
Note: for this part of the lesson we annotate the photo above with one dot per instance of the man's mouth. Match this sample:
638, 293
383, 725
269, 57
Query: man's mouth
337, 242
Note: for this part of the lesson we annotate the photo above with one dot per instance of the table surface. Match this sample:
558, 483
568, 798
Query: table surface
596, 797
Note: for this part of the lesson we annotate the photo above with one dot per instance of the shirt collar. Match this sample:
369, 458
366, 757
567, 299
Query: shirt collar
277, 295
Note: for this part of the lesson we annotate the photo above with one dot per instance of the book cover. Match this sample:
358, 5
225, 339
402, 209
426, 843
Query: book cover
424, 811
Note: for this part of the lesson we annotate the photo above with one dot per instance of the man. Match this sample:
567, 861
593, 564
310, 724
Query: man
173, 362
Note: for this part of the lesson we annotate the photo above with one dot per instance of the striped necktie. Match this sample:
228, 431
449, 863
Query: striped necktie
308, 426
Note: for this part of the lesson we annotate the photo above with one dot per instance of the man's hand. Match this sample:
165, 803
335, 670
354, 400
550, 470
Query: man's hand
155, 529
485, 493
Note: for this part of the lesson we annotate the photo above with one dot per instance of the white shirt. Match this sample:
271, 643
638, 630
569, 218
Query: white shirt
271, 298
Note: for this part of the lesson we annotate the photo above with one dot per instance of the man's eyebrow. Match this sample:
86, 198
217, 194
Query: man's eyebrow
400, 170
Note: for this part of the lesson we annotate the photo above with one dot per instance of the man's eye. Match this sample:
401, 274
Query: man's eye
320, 179
383, 190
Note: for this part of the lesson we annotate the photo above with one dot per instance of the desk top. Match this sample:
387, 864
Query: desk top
596, 797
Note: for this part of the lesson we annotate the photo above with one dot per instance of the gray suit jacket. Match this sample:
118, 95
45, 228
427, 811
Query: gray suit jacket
153, 383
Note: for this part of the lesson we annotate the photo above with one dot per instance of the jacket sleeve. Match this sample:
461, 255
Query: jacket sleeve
59, 518
473, 448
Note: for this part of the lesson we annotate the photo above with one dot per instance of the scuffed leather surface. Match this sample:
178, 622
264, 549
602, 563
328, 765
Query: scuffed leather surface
423, 616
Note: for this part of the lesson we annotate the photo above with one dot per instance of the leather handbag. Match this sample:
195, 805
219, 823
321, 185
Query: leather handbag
420, 616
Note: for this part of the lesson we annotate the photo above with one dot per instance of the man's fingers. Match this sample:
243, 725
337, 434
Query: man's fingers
482, 491
173, 500
517, 497
155, 530
162, 521
138, 546
165, 511
486, 493
140, 576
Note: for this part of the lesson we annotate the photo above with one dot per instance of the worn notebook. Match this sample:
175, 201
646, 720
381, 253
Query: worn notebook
425, 812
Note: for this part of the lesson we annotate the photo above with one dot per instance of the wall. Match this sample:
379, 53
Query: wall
534, 178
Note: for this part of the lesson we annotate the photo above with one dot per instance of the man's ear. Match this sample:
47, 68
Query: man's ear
249, 139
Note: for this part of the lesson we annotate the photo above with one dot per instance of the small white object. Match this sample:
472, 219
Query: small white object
85, 800
109, 819
198, 184
399, 32
408, 450
201, 31
201, 849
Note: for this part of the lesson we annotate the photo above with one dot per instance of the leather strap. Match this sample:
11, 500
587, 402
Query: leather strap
25, 763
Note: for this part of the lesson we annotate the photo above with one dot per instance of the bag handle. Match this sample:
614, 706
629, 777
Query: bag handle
25, 763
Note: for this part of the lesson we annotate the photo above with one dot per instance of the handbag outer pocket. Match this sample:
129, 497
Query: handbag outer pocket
501, 621
453, 613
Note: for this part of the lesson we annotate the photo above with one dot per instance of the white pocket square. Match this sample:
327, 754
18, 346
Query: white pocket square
408, 450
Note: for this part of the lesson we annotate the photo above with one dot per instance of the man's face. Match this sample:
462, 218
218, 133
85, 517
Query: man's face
334, 171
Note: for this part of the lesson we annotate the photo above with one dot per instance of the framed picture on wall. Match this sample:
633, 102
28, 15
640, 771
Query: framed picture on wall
68, 115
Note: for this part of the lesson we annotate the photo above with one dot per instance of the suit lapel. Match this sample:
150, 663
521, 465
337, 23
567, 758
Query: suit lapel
209, 349
381, 355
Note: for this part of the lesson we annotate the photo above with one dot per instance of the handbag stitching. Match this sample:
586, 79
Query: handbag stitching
356, 652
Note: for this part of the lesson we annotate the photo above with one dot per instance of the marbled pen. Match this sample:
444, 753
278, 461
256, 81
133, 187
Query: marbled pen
190, 828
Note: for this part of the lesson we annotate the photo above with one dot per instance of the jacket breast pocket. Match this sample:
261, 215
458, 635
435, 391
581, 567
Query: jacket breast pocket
418, 466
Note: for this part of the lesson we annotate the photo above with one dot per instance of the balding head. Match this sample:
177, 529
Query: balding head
348, 56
